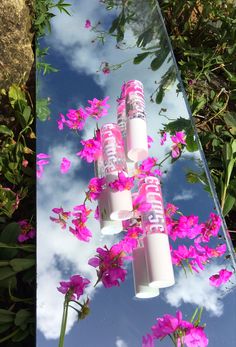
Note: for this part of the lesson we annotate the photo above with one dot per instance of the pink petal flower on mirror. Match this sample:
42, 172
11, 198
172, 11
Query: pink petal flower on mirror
65, 165
88, 24
76, 285
150, 141
220, 278
43, 156
26, 231
163, 138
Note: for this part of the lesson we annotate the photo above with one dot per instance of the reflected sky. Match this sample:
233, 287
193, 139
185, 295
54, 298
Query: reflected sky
117, 319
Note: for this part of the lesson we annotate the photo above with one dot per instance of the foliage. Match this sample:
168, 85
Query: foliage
17, 195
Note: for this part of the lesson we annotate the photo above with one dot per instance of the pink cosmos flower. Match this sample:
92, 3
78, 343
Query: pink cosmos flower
106, 70
163, 138
95, 188
61, 122
220, 278
150, 141
211, 228
122, 183
146, 168
170, 209
87, 24
43, 160
195, 337
178, 139
109, 263
75, 286
62, 216
27, 231
148, 341
76, 118
98, 108
130, 241
140, 204
65, 165
80, 230
91, 150
169, 324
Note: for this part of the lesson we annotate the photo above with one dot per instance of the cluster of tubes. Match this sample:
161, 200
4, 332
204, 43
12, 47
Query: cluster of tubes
124, 144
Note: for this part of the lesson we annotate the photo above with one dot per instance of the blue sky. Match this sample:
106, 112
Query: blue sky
116, 319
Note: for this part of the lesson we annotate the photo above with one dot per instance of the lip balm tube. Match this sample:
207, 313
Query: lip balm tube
156, 241
140, 276
120, 202
107, 226
136, 127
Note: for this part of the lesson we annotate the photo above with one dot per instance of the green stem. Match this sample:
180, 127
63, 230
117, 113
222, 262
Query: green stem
63, 323
173, 340
10, 335
168, 156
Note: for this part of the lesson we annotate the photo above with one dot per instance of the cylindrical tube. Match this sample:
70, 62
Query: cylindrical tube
113, 151
153, 221
158, 260
136, 127
140, 276
119, 202
107, 226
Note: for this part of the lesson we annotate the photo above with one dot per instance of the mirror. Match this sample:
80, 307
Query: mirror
88, 69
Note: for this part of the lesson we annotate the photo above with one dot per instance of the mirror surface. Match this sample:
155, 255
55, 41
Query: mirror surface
117, 318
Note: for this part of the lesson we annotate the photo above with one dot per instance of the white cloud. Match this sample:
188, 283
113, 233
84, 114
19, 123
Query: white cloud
57, 190
120, 342
186, 194
195, 289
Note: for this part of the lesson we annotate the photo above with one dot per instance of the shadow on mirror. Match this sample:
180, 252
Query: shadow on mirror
131, 247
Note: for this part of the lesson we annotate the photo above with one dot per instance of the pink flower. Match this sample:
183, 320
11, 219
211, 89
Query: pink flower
98, 108
130, 241
170, 209
148, 341
65, 165
43, 156
91, 151
43, 160
140, 204
109, 263
220, 278
95, 188
146, 168
76, 118
106, 70
27, 231
195, 337
168, 325
97, 213
211, 228
61, 122
74, 287
62, 217
25, 163
81, 231
163, 138
178, 140
150, 141
87, 24
122, 183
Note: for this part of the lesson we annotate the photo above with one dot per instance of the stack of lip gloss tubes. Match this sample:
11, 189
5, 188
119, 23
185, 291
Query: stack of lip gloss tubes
123, 145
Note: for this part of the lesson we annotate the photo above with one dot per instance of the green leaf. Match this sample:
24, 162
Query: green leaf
160, 95
192, 145
22, 317
4, 327
6, 316
21, 264
20, 335
140, 57
230, 120
27, 114
9, 235
16, 95
6, 131
6, 272
114, 25
159, 60
145, 38
229, 203
42, 109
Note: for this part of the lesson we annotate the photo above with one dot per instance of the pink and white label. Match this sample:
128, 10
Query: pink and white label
135, 104
113, 149
121, 116
153, 221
